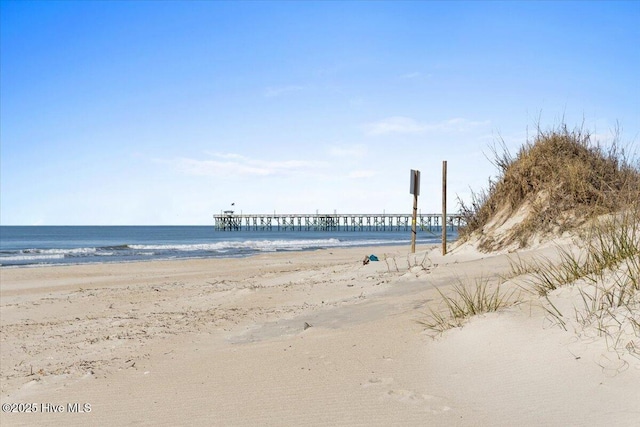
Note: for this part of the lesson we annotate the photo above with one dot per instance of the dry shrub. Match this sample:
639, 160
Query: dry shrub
563, 176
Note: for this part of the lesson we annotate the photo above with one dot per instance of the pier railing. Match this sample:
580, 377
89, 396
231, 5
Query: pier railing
334, 222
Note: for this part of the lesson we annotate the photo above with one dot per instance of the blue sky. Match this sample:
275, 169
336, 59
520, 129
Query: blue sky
167, 112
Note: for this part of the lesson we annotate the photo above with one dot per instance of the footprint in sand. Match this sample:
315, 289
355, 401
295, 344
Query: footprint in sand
436, 405
377, 381
611, 366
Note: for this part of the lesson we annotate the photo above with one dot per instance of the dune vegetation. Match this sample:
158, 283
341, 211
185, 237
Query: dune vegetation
558, 182
561, 184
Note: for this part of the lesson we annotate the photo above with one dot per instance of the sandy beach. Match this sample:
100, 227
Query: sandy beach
207, 212
313, 338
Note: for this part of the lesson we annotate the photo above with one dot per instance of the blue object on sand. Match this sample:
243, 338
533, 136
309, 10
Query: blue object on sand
373, 258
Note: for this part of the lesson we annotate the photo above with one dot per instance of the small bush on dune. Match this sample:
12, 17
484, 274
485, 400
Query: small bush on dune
565, 179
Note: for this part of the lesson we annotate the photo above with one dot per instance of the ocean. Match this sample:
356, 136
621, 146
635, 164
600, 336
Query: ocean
22, 246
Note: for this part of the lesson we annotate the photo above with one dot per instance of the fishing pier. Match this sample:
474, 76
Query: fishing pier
228, 220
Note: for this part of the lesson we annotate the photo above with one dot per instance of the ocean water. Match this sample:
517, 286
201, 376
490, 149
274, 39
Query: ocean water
56, 245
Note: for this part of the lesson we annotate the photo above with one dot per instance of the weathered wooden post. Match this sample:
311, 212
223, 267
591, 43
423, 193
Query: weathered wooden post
444, 207
414, 189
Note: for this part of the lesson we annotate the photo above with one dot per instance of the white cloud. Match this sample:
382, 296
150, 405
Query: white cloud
274, 91
217, 168
395, 124
232, 164
226, 155
399, 124
415, 75
354, 151
361, 174
459, 124
412, 75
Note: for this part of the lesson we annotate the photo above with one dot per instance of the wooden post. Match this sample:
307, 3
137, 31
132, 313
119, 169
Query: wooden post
413, 224
415, 190
444, 207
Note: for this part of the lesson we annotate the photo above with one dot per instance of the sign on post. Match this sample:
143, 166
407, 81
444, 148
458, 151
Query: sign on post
414, 188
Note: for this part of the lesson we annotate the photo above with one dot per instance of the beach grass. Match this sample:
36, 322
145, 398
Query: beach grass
562, 181
466, 300
607, 244
607, 278
605, 272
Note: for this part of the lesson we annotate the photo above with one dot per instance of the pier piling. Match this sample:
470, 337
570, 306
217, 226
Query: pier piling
228, 221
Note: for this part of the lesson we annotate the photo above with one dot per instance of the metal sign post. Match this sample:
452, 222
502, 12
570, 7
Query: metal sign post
414, 188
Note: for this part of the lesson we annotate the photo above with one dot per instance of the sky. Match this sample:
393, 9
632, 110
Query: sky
165, 113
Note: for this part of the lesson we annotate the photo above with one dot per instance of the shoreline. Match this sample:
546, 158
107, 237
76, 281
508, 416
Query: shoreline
277, 338
216, 256
181, 265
